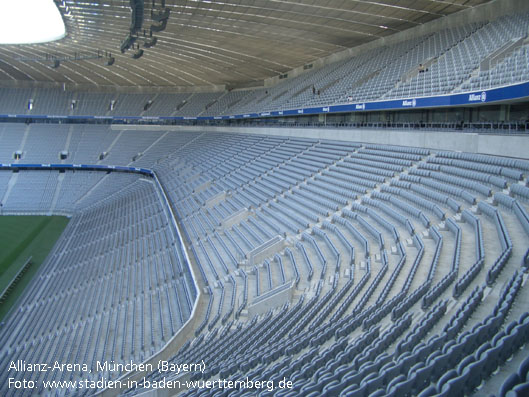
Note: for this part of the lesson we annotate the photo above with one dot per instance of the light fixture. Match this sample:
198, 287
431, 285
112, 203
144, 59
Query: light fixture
127, 43
151, 42
138, 53
160, 27
160, 15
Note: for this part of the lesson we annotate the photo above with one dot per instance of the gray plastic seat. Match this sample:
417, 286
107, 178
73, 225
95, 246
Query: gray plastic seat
404, 388
474, 371
521, 390
523, 369
349, 390
375, 383
378, 393
492, 358
422, 376
428, 392
332, 388
456, 385
440, 365
452, 373
509, 383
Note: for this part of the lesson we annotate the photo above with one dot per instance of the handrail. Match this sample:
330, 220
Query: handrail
15, 279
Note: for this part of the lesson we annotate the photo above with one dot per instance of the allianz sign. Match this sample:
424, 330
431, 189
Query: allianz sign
478, 97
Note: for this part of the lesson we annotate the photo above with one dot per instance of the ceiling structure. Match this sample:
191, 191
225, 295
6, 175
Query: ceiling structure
211, 42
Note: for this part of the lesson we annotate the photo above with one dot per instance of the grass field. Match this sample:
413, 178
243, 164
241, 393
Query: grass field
20, 238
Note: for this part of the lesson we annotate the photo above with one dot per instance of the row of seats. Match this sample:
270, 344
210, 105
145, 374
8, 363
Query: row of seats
454, 56
115, 288
411, 199
371, 269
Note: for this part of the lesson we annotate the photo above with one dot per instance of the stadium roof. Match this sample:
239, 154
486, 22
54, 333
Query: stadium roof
210, 42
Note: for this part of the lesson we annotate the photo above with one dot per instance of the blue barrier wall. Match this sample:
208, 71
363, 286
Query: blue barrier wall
491, 96
73, 167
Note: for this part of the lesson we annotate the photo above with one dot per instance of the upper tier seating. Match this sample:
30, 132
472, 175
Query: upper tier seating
452, 56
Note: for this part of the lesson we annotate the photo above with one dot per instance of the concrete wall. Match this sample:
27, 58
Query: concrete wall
498, 145
265, 250
282, 296
112, 89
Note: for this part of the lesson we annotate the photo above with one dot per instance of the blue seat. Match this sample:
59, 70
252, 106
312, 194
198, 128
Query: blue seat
362, 390
440, 365
464, 363
452, 373
435, 342
470, 341
509, 327
349, 391
330, 377
497, 337
297, 385
341, 358
485, 346
390, 372
422, 376
383, 359
375, 383
521, 390
368, 377
431, 358
523, 316
518, 340
404, 388
523, 328
407, 362
394, 381
428, 392
352, 377
474, 371
319, 373
342, 370
378, 393
446, 392
421, 352
457, 385
448, 345
332, 388
509, 383
493, 359
311, 387
298, 376
523, 369
292, 393
465, 334
369, 367
456, 352
510, 346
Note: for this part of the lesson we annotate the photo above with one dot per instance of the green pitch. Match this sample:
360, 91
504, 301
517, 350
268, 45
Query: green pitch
20, 238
